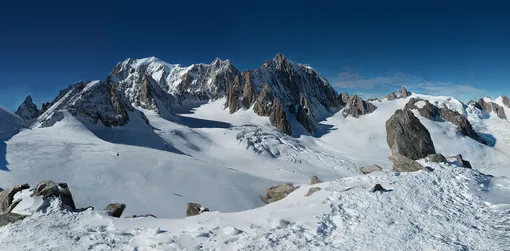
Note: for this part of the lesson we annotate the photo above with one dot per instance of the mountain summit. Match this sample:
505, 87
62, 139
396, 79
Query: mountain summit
280, 89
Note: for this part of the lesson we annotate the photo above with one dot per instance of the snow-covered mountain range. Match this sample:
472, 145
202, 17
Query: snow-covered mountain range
157, 136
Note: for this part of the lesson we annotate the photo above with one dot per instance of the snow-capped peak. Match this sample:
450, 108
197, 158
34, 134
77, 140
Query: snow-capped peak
28, 110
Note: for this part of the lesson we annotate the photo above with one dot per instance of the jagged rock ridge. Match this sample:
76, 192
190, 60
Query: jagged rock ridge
280, 89
28, 110
430, 111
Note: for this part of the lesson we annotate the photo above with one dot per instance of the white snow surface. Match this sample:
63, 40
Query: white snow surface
226, 161
446, 208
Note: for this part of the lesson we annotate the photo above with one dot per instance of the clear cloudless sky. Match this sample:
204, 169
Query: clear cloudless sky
47, 45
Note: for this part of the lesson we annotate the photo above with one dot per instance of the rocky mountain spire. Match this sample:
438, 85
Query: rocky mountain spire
28, 110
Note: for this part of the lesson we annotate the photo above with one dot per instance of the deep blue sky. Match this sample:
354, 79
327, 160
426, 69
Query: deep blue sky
453, 47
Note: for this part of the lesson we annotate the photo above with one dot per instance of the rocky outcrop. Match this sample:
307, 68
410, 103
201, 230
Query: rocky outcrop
315, 180
277, 193
401, 94
7, 197
355, 106
115, 209
505, 100
404, 164
10, 218
424, 107
377, 188
312, 190
490, 107
407, 136
430, 111
195, 209
463, 125
268, 105
28, 110
50, 189
437, 158
371, 169
461, 161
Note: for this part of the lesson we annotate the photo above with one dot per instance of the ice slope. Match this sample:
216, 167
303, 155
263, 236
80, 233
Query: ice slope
445, 208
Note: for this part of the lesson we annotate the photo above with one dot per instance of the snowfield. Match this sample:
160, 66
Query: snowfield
445, 208
225, 161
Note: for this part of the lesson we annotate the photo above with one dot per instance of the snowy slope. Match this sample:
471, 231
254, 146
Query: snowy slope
446, 208
10, 123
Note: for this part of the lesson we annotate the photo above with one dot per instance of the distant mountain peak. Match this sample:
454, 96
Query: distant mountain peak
28, 110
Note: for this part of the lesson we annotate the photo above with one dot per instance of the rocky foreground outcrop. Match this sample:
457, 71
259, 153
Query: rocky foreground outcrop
195, 209
408, 140
7, 202
407, 136
277, 193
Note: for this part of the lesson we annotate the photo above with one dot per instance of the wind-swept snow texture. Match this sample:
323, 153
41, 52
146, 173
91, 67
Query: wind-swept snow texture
445, 208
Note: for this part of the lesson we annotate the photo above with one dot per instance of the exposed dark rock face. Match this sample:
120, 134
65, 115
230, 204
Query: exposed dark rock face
315, 180
312, 190
7, 197
356, 107
462, 162
28, 110
371, 169
506, 100
115, 209
374, 99
377, 187
306, 119
295, 87
490, 107
195, 209
277, 193
427, 109
463, 125
344, 98
268, 105
430, 111
404, 164
401, 94
437, 158
10, 218
49, 189
407, 136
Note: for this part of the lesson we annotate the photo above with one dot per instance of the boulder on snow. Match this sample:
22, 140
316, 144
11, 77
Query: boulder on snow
7, 197
404, 164
437, 158
377, 187
407, 136
312, 190
7, 218
277, 193
115, 209
315, 180
371, 169
195, 209
462, 162
49, 189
